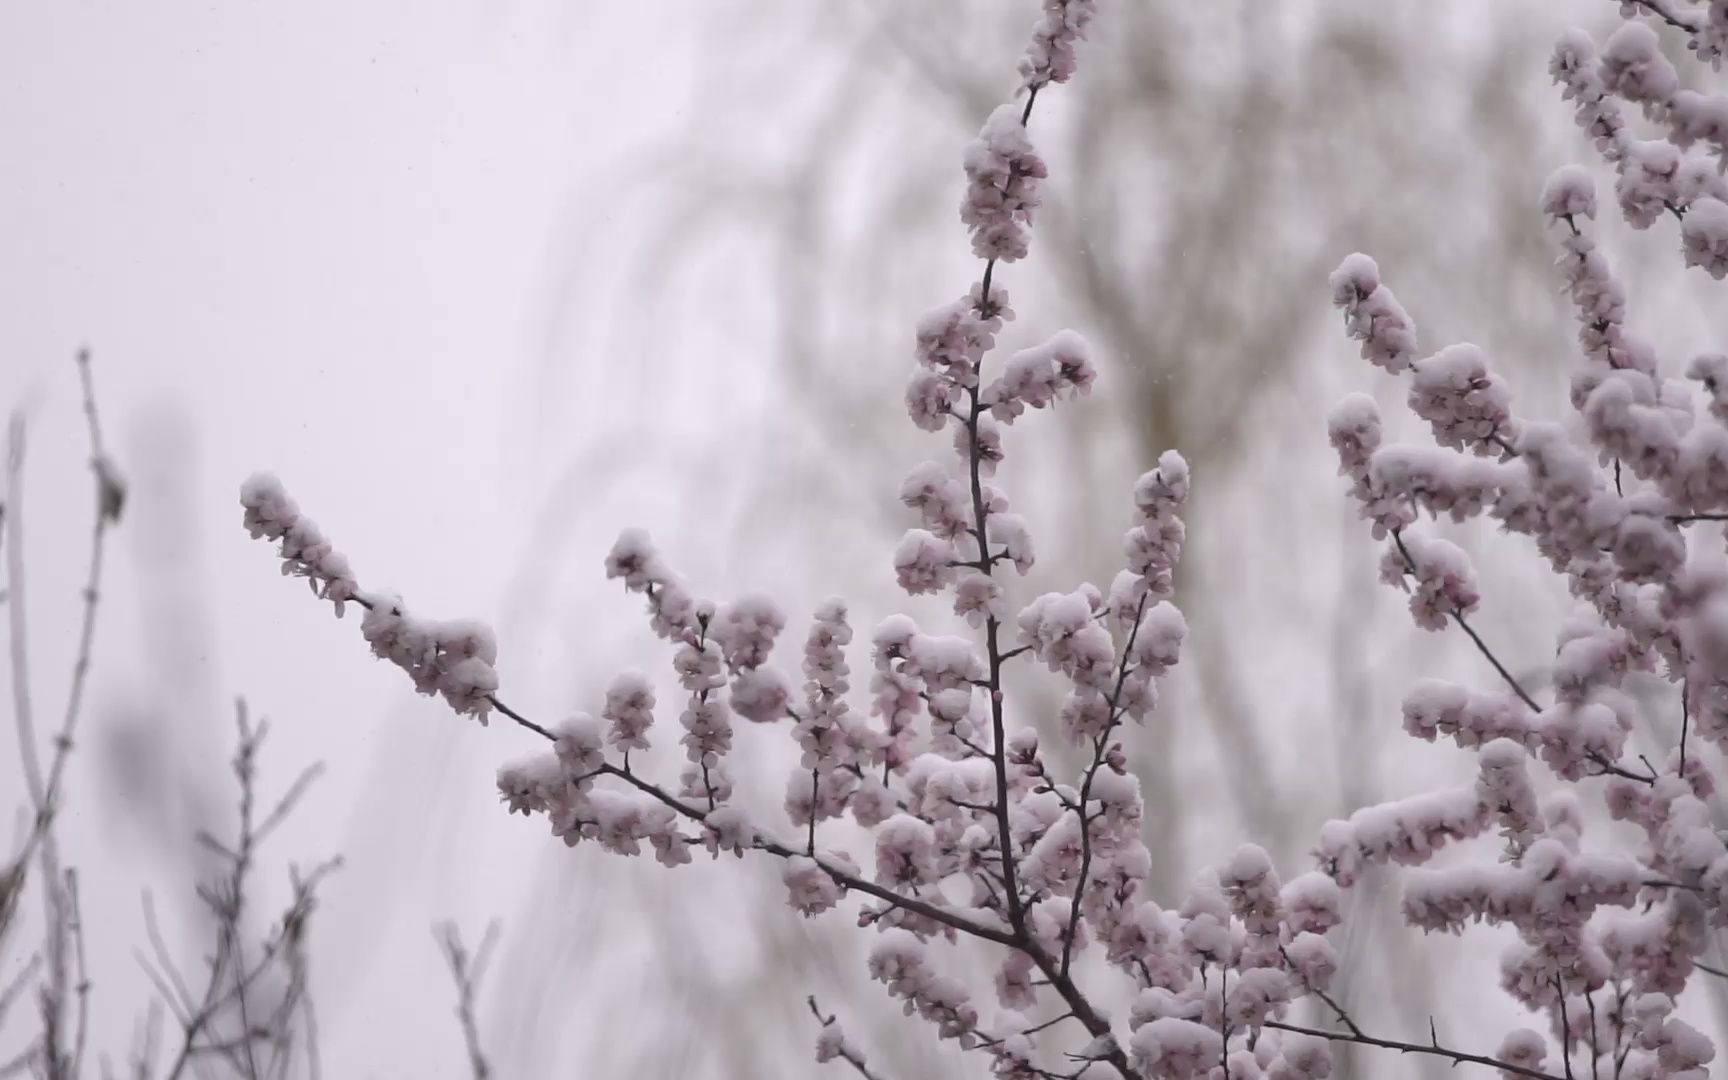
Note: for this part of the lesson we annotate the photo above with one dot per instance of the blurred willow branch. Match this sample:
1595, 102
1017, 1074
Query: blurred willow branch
51, 1054
468, 971
245, 1016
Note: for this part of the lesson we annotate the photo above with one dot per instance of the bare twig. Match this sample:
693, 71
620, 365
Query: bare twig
62, 925
227, 1020
81, 989
28, 757
10, 992
1432, 1048
1607, 767
468, 971
146, 1043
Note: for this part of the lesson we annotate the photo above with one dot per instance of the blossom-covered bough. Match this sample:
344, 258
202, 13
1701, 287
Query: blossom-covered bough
1608, 935
973, 835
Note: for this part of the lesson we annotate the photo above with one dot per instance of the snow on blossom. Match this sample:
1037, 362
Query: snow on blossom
1704, 236
579, 744
940, 497
905, 852
809, 888
898, 960
1647, 182
1003, 175
1632, 65
1176, 1048
760, 695
831, 1043
1407, 831
673, 612
1504, 787
1437, 575
454, 658
951, 340
1434, 708
629, 710
707, 730
1569, 192
1010, 537
924, 562
1252, 886
1523, 1048
930, 400
529, 785
1711, 371
1050, 56
1312, 959
1353, 428
1312, 903
1158, 642
1040, 376
1372, 315
1465, 403
745, 630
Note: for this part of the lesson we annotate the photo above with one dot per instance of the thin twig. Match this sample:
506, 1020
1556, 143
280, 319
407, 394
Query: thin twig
12, 989
468, 973
1434, 1049
81, 989
1607, 767
1098, 754
28, 757
234, 976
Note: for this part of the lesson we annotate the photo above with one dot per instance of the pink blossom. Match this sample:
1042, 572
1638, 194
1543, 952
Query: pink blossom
1523, 1048
1176, 1048
809, 888
1372, 315
760, 695
1467, 405
1704, 236
1038, 377
746, 629
1003, 174
1050, 56
1569, 192
630, 711
1633, 66
924, 562
1438, 576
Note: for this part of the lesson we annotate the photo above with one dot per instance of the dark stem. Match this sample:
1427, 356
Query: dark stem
1607, 767
1433, 1049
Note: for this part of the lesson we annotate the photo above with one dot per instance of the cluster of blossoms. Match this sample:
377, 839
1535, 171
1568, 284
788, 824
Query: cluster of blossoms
1606, 939
1050, 58
972, 834
1003, 177
453, 658
1662, 175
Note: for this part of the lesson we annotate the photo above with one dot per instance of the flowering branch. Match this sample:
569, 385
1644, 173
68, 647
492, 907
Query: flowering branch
973, 834
1432, 1048
831, 1043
